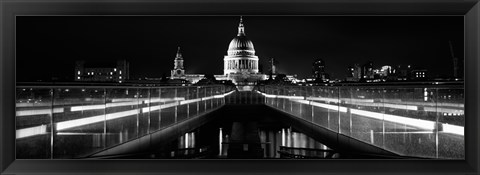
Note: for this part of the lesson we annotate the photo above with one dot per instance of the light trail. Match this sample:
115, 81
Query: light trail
64, 125
38, 112
419, 123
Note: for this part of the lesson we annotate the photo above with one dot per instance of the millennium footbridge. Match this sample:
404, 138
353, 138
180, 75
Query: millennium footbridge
395, 121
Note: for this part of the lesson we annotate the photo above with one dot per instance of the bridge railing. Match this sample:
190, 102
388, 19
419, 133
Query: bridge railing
417, 121
72, 122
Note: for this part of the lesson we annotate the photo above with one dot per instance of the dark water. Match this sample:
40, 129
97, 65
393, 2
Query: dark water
242, 137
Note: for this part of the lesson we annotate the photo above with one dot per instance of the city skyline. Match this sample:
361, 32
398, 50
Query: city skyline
246, 116
150, 43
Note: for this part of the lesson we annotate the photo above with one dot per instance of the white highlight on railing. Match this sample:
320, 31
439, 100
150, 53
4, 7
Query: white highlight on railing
32, 131
407, 107
335, 100
80, 122
281, 96
444, 110
322, 105
223, 95
453, 129
87, 107
303, 101
331, 107
129, 103
122, 114
269, 96
395, 103
190, 101
122, 99
207, 98
26, 104
38, 130
425, 124
38, 112
291, 97
420, 123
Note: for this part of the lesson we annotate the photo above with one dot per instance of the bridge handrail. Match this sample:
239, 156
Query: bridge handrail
60, 111
434, 111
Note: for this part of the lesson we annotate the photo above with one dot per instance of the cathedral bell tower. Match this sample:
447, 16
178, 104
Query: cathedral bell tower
178, 70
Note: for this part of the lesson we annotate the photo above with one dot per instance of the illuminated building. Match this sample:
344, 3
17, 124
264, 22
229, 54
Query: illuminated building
178, 71
354, 73
418, 74
102, 72
367, 70
318, 70
403, 72
383, 72
240, 56
240, 63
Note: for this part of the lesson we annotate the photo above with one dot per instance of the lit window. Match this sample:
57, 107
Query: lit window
114, 69
120, 77
78, 72
111, 73
78, 78
120, 71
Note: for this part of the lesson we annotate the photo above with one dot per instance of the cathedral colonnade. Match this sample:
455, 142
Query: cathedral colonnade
241, 64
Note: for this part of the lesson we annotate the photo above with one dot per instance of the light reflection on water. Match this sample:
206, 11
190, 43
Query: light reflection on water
282, 142
288, 140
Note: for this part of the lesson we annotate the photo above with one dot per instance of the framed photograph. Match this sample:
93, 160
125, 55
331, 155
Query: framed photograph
239, 87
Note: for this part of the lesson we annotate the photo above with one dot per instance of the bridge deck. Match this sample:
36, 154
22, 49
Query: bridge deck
60, 122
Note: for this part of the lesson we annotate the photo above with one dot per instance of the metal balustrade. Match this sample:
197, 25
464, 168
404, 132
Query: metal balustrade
411, 121
73, 122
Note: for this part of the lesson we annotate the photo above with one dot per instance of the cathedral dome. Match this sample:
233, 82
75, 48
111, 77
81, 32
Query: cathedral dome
241, 45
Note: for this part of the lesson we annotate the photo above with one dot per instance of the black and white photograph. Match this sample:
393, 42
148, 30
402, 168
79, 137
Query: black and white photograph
240, 87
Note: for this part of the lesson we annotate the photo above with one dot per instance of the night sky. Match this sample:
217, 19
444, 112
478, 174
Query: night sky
48, 46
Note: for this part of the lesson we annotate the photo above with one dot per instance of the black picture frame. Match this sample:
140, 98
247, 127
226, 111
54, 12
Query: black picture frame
9, 9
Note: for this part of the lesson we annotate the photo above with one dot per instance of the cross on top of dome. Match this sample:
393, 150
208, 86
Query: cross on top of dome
241, 29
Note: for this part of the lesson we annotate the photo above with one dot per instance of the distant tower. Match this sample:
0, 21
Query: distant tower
178, 69
318, 68
367, 70
455, 61
273, 66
